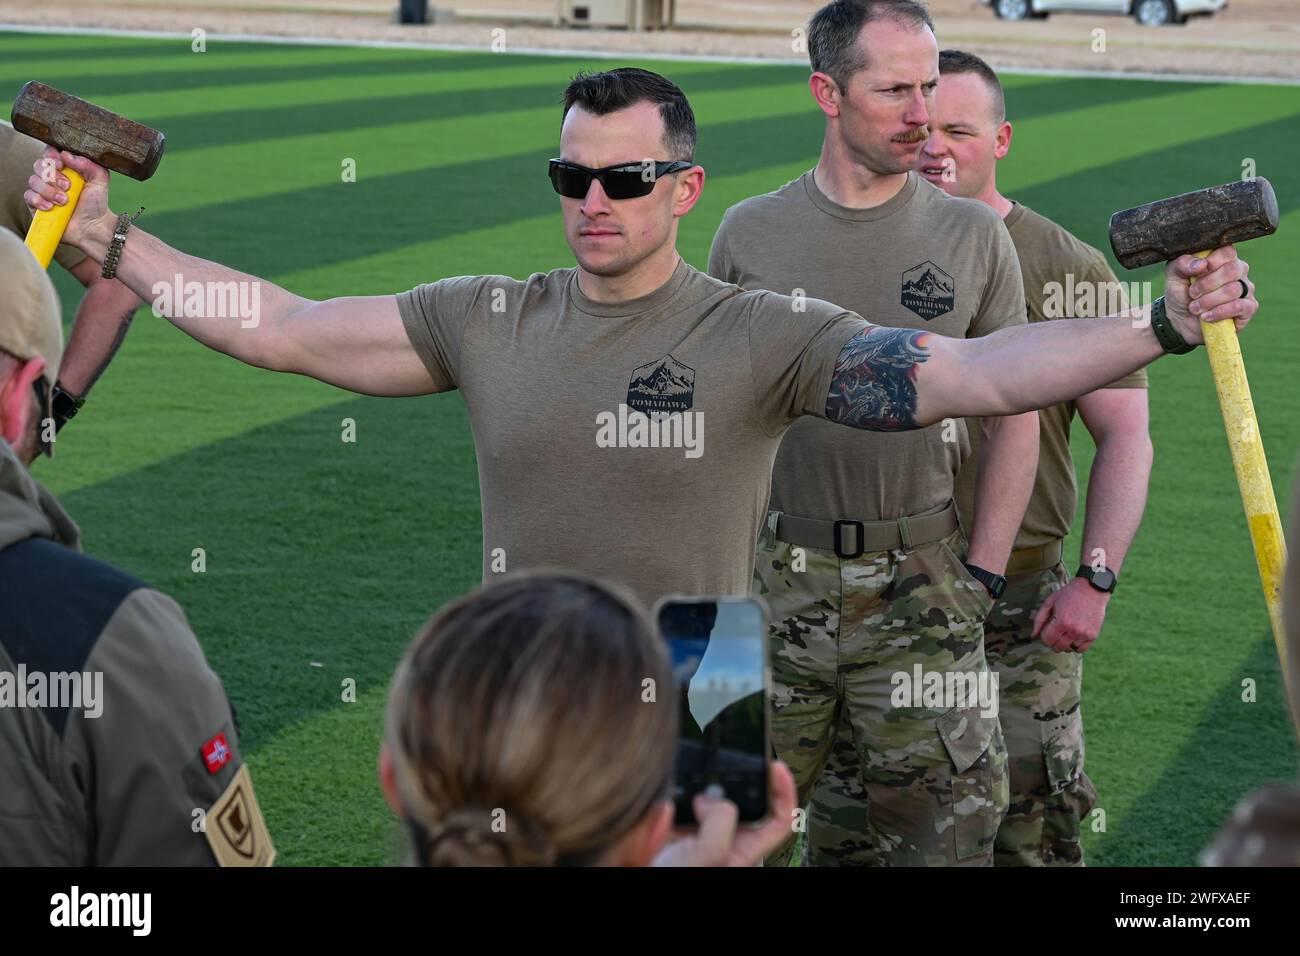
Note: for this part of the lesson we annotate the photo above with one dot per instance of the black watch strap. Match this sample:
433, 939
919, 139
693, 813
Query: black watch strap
996, 583
1103, 579
64, 405
1169, 338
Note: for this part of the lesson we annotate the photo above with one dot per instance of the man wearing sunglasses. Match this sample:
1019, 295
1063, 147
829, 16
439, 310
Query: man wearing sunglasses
622, 181
589, 389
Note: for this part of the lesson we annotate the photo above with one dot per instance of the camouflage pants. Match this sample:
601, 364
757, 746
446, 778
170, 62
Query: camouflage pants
848, 640
1041, 720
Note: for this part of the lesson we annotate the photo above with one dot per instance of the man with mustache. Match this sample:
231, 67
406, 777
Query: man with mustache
868, 575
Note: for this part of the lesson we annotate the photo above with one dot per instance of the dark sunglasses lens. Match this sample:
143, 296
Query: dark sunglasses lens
570, 183
629, 183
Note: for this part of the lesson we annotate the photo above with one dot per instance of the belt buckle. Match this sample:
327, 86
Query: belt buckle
862, 534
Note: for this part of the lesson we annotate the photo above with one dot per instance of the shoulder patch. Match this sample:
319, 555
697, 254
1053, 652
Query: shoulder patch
235, 828
216, 753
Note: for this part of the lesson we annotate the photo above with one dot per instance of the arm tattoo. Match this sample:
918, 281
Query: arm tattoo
874, 385
123, 327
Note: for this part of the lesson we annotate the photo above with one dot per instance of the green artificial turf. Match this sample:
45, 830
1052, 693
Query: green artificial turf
323, 557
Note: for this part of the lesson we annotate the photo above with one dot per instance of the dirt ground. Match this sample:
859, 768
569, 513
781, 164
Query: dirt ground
1259, 38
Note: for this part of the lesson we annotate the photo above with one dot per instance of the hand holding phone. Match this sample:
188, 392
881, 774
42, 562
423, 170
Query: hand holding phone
723, 686
718, 840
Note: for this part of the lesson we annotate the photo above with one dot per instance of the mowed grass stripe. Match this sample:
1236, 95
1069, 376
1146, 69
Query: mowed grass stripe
1029, 97
316, 549
1169, 819
264, 67
1090, 195
196, 108
1160, 127
343, 821
230, 122
111, 73
17, 47
223, 63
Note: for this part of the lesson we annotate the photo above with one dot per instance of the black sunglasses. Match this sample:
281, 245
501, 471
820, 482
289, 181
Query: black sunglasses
624, 181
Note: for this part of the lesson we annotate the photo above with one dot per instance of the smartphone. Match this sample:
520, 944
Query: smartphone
722, 685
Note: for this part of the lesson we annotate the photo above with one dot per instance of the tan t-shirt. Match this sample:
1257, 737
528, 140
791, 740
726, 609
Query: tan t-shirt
17, 154
633, 441
1058, 270
921, 260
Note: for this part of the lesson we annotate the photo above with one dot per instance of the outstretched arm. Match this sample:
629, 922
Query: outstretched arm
357, 342
895, 379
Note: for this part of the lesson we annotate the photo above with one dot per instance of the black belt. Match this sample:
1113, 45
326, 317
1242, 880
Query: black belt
851, 539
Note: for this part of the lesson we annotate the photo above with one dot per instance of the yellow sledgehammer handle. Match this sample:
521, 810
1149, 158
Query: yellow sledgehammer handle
1252, 467
47, 227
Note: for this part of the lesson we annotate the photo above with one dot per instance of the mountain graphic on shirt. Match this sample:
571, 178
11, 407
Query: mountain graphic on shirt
928, 290
663, 386
929, 285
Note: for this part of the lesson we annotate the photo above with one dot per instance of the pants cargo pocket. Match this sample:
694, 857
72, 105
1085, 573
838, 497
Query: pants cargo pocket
967, 591
979, 779
1070, 794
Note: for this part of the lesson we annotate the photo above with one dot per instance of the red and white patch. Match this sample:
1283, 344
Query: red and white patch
217, 753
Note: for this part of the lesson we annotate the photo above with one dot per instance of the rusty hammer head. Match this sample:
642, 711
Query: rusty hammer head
65, 122
1193, 222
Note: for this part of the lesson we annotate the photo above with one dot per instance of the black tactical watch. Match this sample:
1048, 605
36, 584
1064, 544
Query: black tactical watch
1103, 580
996, 583
64, 405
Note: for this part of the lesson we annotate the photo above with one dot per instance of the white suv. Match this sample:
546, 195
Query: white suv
1151, 13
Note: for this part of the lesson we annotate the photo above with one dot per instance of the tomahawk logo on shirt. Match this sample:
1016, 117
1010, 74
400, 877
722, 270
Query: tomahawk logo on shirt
663, 386
656, 413
928, 290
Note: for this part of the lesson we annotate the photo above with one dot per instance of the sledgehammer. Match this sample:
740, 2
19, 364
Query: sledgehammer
72, 124
1189, 224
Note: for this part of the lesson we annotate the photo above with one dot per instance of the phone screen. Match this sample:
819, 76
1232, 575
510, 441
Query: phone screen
719, 651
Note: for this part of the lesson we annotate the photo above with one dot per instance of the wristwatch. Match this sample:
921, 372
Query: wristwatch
1103, 580
64, 405
996, 583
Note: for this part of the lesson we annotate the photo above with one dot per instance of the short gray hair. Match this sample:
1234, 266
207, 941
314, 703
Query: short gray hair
833, 32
